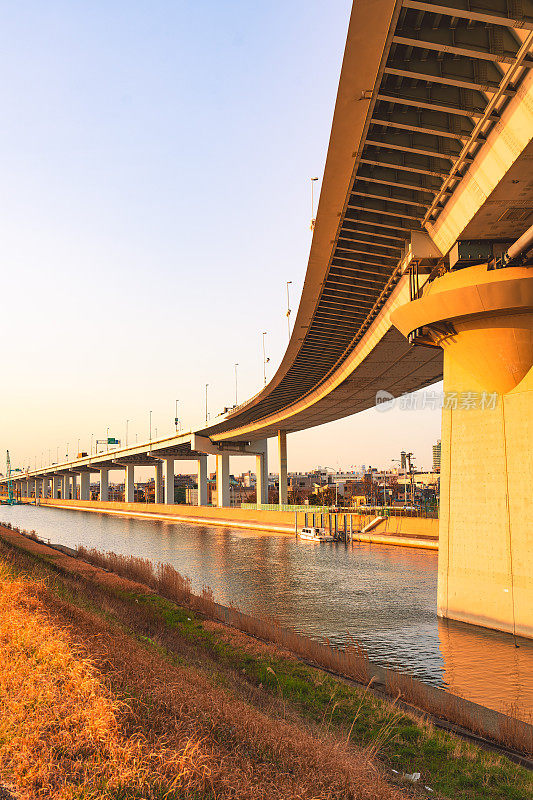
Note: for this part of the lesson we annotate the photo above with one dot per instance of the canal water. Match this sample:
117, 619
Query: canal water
385, 597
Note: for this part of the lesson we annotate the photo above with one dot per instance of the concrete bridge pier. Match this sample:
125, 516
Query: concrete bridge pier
85, 486
56, 486
104, 484
223, 492
261, 473
168, 479
129, 483
202, 481
65, 491
74, 479
159, 494
483, 321
282, 468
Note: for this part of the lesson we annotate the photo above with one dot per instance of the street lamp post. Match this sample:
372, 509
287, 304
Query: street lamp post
127, 424
313, 220
92, 434
107, 440
236, 398
150, 426
265, 360
206, 415
288, 310
176, 418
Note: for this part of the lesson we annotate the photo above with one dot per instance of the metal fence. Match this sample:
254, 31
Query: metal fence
277, 507
384, 511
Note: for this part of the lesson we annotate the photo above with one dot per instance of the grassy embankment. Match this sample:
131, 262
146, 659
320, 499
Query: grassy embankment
110, 690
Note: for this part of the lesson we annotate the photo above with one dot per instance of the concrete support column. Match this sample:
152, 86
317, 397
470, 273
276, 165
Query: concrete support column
85, 486
282, 467
129, 484
202, 481
74, 478
65, 490
104, 484
484, 324
56, 483
168, 468
261, 476
31, 487
159, 482
24, 489
223, 494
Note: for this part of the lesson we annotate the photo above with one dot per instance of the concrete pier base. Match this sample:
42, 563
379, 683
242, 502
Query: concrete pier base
104, 484
223, 493
129, 483
85, 486
202, 481
282, 468
483, 320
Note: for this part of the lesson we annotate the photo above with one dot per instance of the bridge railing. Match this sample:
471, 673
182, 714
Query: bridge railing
277, 507
383, 511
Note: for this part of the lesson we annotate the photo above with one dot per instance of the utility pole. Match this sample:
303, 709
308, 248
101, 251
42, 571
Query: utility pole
409, 456
176, 418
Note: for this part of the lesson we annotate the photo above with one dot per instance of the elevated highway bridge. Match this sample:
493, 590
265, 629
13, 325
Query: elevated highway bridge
413, 274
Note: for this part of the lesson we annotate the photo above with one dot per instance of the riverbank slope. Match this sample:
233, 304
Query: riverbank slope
224, 714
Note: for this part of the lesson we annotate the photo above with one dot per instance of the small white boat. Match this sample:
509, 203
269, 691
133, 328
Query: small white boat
315, 535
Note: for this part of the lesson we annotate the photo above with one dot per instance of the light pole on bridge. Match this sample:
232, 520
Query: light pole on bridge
288, 310
265, 360
236, 399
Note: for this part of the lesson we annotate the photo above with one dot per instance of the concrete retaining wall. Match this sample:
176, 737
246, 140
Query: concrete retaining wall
401, 531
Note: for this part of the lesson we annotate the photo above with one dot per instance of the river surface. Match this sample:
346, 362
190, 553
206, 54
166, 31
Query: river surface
385, 597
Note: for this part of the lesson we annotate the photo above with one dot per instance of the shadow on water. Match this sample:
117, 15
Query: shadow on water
384, 597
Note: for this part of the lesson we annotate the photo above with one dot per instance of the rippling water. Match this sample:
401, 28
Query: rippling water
385, 597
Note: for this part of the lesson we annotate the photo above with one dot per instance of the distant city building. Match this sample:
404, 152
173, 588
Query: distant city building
436, 457
191, 496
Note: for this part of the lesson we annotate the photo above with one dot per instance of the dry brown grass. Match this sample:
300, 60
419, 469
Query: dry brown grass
61, 729
351, 662
88, 712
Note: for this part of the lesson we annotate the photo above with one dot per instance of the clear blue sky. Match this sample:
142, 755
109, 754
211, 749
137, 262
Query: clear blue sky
155, 161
